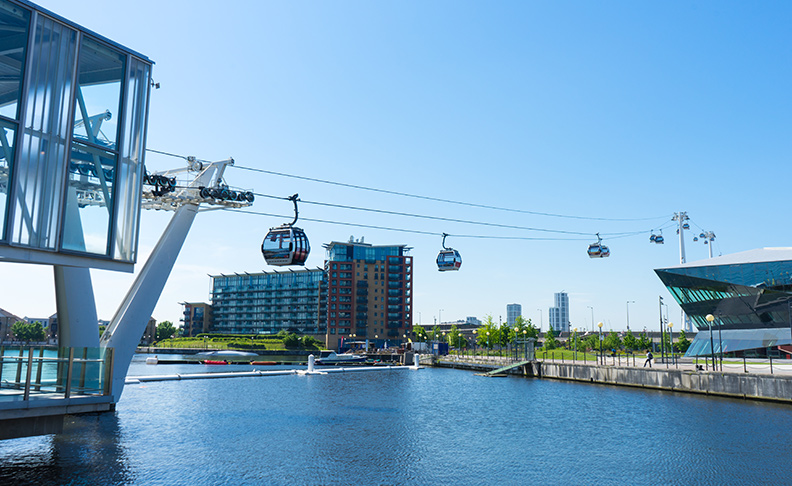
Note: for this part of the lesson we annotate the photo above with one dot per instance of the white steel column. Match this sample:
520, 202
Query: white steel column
78, 325
129, 322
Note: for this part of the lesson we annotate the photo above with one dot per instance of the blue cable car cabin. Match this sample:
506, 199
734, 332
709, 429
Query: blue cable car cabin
448, 259
285, 245
598, 250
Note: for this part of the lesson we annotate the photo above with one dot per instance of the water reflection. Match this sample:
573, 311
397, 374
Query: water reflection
88, 452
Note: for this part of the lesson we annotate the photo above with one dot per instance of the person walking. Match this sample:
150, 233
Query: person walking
648, 359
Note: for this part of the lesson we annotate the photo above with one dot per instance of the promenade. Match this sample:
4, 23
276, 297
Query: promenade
748, 379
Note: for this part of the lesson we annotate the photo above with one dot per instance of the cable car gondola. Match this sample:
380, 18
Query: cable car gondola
448, 258
598, 250
286, 244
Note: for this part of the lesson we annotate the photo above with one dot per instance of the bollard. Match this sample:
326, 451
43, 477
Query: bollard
745, 367
311, 361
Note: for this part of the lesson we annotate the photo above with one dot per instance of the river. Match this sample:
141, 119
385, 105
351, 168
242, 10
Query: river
429, 426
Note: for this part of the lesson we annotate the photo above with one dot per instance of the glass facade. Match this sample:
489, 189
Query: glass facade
266, 303
751, 303
73, 111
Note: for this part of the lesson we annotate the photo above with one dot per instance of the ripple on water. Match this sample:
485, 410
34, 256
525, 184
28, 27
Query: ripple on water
405, 427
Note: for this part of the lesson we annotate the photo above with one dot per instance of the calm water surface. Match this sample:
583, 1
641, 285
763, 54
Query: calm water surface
430, 426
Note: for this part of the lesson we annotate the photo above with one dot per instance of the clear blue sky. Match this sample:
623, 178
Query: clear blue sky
597, 109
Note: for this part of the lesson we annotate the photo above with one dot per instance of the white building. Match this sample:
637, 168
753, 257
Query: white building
512, 311
559, 314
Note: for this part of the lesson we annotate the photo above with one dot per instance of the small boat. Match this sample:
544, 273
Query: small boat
331, 357
214, 362
264, 363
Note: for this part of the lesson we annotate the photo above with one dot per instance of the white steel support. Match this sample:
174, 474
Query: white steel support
133, 314
77, 323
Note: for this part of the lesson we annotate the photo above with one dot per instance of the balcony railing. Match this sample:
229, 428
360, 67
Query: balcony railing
55, 372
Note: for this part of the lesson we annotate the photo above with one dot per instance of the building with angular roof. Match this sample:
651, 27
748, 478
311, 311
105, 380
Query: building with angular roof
748, 293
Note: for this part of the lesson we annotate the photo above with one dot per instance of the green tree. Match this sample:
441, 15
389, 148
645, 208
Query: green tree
644, 342
683, 343
612, 341
165, 330
420, 333
488, 333
550, 341
591, 342
24, 331
435, 333
291, 340
454, 336
630, 341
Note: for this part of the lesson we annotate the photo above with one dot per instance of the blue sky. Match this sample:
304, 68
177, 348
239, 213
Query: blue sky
622, 110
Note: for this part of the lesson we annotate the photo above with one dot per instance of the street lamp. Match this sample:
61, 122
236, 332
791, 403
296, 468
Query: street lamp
628, 313
711, 318
671, 340
600, 336
575, 338
488, 343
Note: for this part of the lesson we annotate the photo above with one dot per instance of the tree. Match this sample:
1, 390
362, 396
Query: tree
550, 339
683, 343
420, 333
612, 341
630, 341
488, 333
591, 342
291, 340
165, 330
24, 331
454, 337
644, 342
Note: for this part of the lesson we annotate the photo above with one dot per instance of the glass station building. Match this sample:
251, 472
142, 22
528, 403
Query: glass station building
73, 110
748, 293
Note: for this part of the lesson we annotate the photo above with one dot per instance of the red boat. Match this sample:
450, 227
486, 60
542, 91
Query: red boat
214, 362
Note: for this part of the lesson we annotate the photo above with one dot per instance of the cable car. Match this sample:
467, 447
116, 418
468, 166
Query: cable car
448, 258
659, 238
598, 250
653, 238
286, 244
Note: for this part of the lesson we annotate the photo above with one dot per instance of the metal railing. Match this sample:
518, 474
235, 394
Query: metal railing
56, 372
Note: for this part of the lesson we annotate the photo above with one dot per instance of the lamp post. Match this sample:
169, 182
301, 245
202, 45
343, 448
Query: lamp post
599, 324
516, 330
525, 344
575, 340
488, 343
711, 318
720, 341
671, 341
628, 313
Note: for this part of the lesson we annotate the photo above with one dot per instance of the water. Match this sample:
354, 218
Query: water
431, 426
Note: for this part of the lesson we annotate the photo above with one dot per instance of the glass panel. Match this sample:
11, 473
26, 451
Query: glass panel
89, 202
13, 40
130, 166
42, 155
98, 94
7, 132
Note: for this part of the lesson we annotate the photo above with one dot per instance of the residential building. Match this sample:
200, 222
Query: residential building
7, 320
559, 314
196, 318
512, 312
268, 302
369, 293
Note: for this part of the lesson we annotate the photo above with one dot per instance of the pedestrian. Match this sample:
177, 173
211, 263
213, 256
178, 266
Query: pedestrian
648, 359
